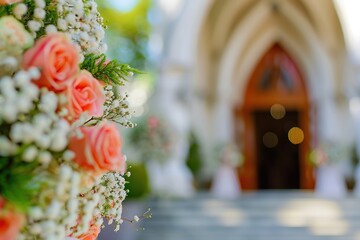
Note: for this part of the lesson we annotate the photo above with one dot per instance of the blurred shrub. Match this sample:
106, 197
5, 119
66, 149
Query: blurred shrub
138, 182
128, 32
194, 161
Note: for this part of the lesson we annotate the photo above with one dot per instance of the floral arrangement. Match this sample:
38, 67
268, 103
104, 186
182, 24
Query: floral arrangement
154, 139
328, 153
230, 155
61, 165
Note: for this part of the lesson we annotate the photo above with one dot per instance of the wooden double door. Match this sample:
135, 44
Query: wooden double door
278, 159
275, 147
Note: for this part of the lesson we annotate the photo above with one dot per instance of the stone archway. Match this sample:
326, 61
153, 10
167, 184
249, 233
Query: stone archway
224, 41
275, 114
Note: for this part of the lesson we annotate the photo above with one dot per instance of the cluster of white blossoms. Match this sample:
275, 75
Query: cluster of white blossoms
54, 101
116, 107
82, 21
79, 19
104, 200
62, 207
38, 133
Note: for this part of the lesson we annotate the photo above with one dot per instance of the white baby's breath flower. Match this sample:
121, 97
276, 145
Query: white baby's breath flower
50, 29
62, 24
99, 221
30, 90
21, 78
9, 111
35, 229
30, 154
16, 132
24, 104
20, 10
58, 141
34, 72
81, 58
68, 155
75, 180
63, 126
48, 226
40, 3
62, 99
42, 121
72, 205
115, 104
36, 213
43, 142
45, 158
70, 19
39, 13
71, 219
63, 112
34, 25
30, 133
78, 134
136, 218
103, 47
65, 173
7, 148
84, 36
85, 27
10, 62
53, 210
48, 102
7, 87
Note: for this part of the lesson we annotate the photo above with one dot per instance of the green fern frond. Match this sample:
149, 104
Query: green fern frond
112, 72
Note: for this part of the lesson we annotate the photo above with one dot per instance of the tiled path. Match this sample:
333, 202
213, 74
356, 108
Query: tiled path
254, 216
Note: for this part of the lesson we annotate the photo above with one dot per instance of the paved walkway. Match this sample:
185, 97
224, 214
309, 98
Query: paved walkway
254, 216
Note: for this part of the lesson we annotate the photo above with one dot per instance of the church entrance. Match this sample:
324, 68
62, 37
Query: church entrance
276, 136
278, 158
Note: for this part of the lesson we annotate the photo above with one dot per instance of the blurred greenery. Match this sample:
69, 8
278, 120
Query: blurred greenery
138, 182
128, 32
193, 161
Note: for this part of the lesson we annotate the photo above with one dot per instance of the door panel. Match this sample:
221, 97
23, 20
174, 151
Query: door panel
278, 158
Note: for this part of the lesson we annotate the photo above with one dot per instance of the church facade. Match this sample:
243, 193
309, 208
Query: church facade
277, 77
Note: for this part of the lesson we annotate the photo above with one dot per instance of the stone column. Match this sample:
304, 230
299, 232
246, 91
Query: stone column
177, 180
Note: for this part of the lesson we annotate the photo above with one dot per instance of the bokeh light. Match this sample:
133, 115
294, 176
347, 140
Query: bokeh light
277, 111
296, 135
270, 139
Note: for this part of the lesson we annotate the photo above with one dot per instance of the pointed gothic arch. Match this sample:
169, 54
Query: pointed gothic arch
275, 81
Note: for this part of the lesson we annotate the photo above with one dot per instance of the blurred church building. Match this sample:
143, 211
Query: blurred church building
277, 77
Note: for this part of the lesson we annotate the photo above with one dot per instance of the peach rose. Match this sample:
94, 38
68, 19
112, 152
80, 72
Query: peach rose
85, 94
57, 58
92, 234
4, 2
10, 222
13, 35
99, 150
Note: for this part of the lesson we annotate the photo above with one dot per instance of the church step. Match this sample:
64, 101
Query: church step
254, 216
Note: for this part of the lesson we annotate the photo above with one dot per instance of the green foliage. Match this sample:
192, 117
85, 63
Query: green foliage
50, 18
17, 182
127, 32
112, 72
138, 182
6, 10
194, 156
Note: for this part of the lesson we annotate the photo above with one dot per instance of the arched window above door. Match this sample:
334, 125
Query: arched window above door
276, 78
